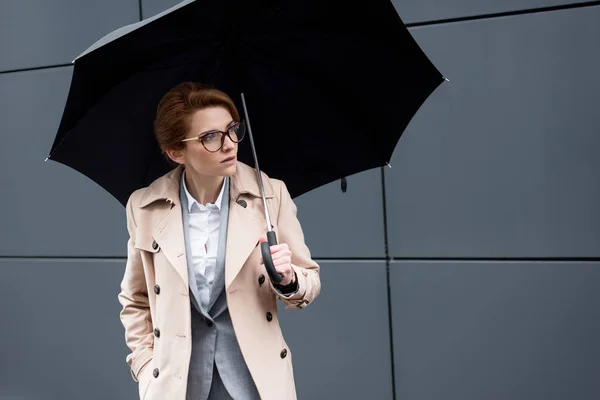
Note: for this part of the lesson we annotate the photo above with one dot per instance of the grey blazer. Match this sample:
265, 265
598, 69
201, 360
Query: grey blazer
214, 345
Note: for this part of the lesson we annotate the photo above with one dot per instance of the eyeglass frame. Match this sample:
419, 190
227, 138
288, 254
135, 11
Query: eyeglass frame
242, 122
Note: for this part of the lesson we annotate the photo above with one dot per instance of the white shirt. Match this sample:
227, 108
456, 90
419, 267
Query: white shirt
204, 224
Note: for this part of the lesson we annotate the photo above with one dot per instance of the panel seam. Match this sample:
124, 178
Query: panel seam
141, 10
537, 10
342, 259
387, 279
12, 71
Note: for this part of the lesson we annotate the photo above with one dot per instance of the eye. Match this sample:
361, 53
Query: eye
210, 136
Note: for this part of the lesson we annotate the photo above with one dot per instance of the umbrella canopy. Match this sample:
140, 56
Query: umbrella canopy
330, 86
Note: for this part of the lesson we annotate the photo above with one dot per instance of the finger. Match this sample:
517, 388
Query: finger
281, 254
277, 257
262, 239
282, 261
284, 269
278, 247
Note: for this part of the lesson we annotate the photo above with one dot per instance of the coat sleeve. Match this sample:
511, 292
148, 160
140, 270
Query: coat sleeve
307, 270
135, 314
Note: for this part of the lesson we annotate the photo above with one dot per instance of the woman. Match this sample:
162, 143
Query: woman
198, 308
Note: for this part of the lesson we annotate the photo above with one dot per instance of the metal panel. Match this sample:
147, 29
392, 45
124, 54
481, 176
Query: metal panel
61, 329
65, 332
432, 10
497, 330
502, 160
341, 225
153, 7
48, 209
422, 10
37, 33
340, 343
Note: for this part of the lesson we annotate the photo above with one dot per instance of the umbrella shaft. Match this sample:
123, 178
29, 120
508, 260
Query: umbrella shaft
258, 174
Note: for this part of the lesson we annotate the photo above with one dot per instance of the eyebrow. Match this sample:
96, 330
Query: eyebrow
216, 130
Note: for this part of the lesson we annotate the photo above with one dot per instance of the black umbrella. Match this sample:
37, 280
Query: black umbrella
331, 85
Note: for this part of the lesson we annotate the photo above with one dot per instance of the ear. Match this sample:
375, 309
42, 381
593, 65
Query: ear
176, 156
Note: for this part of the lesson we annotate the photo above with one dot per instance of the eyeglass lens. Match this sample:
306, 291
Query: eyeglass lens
214, 141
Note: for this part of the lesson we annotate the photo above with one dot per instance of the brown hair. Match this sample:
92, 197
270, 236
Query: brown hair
179, 104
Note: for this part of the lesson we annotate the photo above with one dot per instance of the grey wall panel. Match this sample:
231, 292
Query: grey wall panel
62, 337
432, 10
350, 224
518, 331
48, 209
36, 33
502, 160
422, 10
153, 7
340, 343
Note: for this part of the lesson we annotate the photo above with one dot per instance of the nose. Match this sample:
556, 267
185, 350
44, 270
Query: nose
228, 144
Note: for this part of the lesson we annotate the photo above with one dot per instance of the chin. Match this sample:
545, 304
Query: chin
230, 170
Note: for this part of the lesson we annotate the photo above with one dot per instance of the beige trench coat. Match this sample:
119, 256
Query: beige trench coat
155, 290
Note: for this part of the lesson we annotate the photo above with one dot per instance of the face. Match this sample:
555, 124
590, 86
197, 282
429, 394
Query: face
194, 155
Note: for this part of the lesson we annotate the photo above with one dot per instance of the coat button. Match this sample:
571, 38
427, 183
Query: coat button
154, 245
261, 279
269, 316
156, 332
283, 353
242, 203
209, 323
156, 289
155, 373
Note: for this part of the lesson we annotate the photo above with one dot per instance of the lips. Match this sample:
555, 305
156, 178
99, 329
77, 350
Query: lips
228, 159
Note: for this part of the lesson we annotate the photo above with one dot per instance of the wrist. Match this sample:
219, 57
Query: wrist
291, 286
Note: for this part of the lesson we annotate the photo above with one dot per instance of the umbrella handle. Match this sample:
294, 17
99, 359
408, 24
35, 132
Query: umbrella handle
265, 248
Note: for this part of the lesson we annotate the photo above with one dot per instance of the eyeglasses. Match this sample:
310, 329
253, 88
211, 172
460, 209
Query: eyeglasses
214, 140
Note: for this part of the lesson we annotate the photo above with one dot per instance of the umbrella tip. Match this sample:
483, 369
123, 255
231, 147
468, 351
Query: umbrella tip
446, 79
388, 164
46, 158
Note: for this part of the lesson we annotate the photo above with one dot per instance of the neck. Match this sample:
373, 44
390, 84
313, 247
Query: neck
205, 189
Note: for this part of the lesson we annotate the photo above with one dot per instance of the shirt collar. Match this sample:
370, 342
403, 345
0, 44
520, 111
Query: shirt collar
191, 200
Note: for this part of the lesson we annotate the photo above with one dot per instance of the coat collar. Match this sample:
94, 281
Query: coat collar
242, 182
245, 225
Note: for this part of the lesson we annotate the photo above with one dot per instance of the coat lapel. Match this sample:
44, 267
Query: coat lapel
168, 232
169, 236
247, 221
243, 233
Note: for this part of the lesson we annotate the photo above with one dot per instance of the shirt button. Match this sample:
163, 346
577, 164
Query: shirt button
154, 245
261, 279
156, 289
269, 316
283, 353
242, 203
157, 332
155, 372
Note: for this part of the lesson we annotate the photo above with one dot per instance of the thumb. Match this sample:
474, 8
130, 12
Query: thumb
263, 238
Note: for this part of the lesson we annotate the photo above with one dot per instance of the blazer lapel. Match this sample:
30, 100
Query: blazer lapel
193, 282
219, 279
